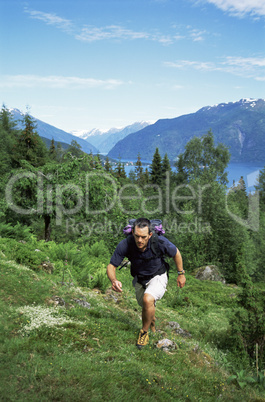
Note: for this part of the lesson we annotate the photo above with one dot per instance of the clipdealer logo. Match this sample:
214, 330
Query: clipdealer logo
50, 199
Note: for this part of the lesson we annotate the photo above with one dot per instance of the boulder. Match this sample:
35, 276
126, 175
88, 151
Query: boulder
176, 328
166, 345
209, 273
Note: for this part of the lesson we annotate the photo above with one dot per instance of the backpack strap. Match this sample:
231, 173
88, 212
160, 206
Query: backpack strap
154, 240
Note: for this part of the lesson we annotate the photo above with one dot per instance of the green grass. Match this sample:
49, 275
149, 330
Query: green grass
78, 354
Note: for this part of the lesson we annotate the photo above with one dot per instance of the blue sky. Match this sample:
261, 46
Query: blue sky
83, 64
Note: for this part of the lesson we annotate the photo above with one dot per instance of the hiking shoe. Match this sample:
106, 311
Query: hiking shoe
143, 339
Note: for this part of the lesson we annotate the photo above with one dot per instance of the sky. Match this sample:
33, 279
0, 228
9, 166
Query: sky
84, 64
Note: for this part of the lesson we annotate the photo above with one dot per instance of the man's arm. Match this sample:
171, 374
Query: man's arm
111, 272
179, 264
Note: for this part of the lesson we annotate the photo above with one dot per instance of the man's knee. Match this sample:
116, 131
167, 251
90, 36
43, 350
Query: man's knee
148, 300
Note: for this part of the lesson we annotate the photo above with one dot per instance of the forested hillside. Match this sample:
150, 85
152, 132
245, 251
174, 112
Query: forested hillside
49, 132
64, 211
238, 125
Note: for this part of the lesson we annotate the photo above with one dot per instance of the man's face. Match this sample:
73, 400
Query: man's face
141, 237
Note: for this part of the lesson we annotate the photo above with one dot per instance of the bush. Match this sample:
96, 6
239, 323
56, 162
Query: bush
23, 253
248, 323
18, 232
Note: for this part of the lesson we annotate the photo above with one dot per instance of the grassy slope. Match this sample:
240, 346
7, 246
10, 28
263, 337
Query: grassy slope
92, 355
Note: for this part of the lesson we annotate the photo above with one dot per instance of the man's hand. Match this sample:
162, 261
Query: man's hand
181, 281
117, 286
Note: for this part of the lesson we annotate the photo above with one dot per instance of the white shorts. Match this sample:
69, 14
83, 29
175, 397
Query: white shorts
156, 287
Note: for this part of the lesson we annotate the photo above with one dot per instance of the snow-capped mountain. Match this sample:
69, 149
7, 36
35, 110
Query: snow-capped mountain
238, 125
104, 140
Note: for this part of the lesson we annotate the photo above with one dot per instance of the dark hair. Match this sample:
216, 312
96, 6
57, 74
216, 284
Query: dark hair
142, 223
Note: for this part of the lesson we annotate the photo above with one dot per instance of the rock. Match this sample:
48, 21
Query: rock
57, 301
82, 303
176, 327
209, 273
47, 267
111, 295
166, 345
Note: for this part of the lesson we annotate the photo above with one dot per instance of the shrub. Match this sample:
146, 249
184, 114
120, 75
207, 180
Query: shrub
248, 323
18, 232
23, 253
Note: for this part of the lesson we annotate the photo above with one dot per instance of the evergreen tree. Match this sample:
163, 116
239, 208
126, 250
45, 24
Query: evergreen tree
146, 176
97, 162
59, 152
7, 139
52, 150
139, 170
156, 169
238, 195
7, 121
120, 170
75, 149
107, 165
29, 146
166, 167
132, 176
260, 187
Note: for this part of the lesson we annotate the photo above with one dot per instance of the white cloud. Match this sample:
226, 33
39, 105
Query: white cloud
87, 33
197, 65
249, 67
197, 35
246, 62
91, 34
52, 19
31, 81
241, 7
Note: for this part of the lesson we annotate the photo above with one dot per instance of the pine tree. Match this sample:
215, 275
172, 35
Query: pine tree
146, 176
7, 138
7, 121
260, 187
107, 165
75, 149
156, 169
166, 167
52, 150
139, 170
29, 146
120, 170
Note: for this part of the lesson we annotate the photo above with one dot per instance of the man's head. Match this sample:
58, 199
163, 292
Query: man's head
142, 232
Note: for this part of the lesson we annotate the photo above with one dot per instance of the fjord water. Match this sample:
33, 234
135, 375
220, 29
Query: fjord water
249, 171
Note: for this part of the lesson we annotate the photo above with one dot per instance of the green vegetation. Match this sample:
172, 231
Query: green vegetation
61, 216
52, 348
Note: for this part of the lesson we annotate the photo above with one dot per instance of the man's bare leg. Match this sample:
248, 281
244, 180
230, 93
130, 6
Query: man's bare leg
148, 311
152, 326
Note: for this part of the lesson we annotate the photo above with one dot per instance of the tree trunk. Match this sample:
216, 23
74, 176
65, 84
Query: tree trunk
47, 220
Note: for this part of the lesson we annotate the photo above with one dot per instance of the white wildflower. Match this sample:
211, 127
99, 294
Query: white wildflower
43, 316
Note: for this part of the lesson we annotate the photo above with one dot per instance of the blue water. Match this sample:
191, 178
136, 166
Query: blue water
249, 171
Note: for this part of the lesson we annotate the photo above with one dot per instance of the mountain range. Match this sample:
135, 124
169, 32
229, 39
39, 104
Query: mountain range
239, 125
50, 132
105, 140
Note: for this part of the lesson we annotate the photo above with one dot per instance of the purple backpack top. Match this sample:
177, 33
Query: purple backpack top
156, 226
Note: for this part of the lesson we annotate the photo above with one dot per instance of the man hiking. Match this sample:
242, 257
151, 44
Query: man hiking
148, 268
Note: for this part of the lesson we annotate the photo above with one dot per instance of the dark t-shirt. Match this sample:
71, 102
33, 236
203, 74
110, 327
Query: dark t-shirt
143, 263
